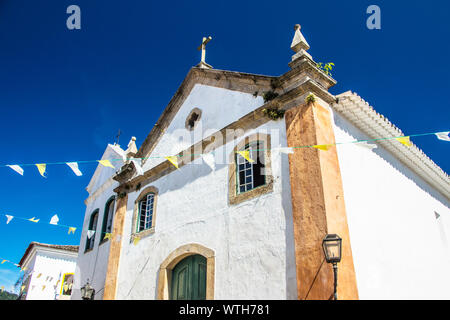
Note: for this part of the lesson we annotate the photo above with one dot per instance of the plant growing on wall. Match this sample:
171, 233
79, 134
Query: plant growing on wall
274, 113
327, 67
311, 98
269, 95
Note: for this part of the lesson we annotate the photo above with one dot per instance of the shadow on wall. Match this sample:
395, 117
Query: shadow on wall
348, 128
291, 273
177, 180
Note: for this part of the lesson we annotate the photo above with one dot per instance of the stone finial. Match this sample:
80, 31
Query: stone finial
299, 42
132, 149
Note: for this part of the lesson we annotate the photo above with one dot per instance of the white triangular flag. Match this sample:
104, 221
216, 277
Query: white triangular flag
365, 144
286, 150
16, 168
90, 233
74, 167
210, 160
443, 136
8, 218
54, 220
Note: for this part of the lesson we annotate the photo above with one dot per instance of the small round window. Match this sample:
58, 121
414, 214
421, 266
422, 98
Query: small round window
193, 118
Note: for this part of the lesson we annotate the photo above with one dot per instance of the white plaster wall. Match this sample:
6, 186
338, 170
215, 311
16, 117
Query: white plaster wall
52, 266
400, 249
93, 264
219, 106
252, 241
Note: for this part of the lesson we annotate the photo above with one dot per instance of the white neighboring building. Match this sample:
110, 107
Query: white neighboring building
227, 231
49, 271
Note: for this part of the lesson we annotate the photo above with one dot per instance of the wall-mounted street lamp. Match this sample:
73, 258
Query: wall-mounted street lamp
87, 292
332, 248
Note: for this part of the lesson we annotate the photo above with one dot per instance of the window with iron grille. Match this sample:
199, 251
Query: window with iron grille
146, 212
250, 175
92, 226
108, 218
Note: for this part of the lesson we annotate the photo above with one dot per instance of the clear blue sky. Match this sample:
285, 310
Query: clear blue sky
65, 93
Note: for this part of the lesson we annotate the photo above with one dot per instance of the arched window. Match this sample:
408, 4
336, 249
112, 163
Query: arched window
90, 238
108, 218
250, 179
250, 175
144, 213
193, 118
146, 205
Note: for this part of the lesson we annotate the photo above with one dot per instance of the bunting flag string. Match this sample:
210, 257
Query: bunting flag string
8, 218
324, 147
16, 168
74, 167
246, 155
405, 140
443, 136
173, 160
41, 167
54, 221
106, 163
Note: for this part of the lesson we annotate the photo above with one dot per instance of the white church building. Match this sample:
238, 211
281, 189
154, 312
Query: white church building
214, 204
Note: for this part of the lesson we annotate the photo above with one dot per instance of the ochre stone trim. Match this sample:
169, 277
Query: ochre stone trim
147, 232
115, 248
233, 196
165, 270
317, 205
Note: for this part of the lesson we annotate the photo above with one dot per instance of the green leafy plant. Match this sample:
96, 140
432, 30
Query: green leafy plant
274, 113
327, 67
269, 95
311, 98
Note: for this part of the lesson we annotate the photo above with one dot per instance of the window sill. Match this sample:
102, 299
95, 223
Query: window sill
237, 198
88, 250
103, 241
142, 234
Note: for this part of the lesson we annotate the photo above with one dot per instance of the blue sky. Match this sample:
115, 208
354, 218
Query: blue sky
65, 93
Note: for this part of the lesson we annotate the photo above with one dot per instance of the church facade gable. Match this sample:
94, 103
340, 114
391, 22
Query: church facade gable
218, 107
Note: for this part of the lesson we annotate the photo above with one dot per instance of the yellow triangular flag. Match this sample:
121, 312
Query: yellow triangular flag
22, 288
323, 147
71, 229
106, 163
33, 219
43, 287
4, 261
41, 167
136, 240
2, 288
107, 235
246, 155
405, 141
39, 275
173, 160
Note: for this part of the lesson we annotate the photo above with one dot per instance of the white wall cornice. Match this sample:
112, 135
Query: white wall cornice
375, 125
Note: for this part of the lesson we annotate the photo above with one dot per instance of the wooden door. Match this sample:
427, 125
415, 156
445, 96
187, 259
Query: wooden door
189, 279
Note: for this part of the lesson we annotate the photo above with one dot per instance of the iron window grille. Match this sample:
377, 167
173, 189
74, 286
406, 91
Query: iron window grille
250, 175
146, 212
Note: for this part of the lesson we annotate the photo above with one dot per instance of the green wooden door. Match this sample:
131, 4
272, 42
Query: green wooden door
189, 279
